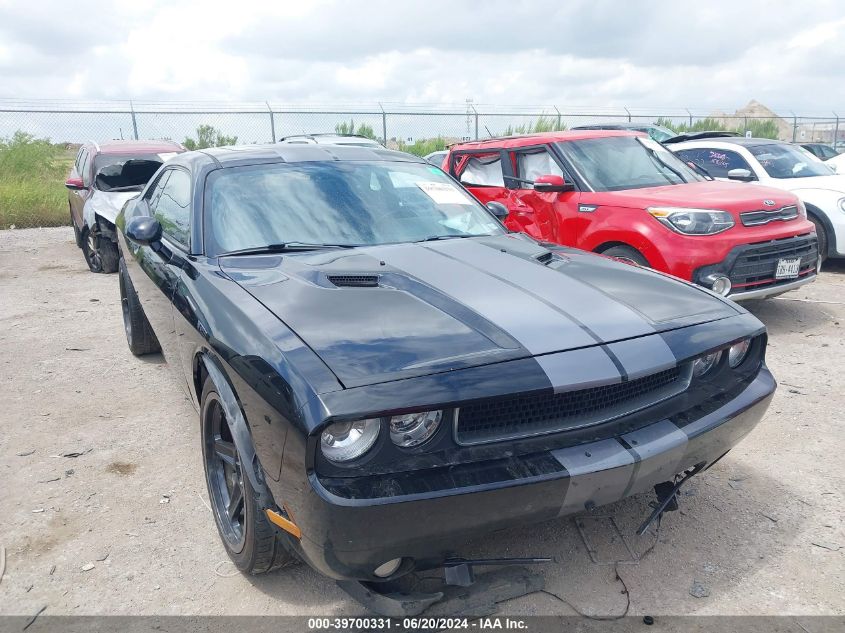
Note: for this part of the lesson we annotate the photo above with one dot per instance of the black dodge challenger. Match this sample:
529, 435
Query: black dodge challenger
383, 371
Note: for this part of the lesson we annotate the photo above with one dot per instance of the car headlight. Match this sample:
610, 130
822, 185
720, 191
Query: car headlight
841, 204
802, 208
738, 352
701, 366
343, 441
413, 429
693, 221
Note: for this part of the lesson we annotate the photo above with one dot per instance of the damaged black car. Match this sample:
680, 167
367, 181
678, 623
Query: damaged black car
383, 371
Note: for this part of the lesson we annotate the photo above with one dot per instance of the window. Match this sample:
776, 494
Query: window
782, 160
80, 159
350, 203
483, 170
716, 162
85, 173
173, 205
532, 165
617, 163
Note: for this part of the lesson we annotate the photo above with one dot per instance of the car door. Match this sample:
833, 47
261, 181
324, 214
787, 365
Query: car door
716, 161
169, 201
551, 216
482, 173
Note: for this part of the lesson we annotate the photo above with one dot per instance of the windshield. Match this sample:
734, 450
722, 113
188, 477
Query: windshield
338, 203
616, 163
789, 161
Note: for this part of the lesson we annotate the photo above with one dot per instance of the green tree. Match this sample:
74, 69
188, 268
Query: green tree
423, 146
349, 129
542, 124
759, 128
24, 156
208, 136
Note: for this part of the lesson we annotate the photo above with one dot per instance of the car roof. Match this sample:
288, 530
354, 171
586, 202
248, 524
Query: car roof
139, 147
525, 140
282, 153
330, 137
734, 140
614, 126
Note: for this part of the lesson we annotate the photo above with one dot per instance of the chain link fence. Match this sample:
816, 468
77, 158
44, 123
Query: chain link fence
39, 199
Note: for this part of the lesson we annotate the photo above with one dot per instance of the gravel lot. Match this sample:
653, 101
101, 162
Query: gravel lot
104, 508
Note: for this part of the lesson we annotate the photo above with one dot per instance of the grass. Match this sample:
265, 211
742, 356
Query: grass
32, 175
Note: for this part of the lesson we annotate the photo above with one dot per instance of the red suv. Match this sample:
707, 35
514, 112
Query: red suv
626, 196
103, 177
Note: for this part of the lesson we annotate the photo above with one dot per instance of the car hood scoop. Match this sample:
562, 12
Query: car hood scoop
397, 311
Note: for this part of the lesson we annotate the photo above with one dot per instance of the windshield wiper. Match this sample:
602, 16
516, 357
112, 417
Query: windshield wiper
435, 238
286, 247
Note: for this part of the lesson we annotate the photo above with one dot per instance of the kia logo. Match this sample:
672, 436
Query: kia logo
769, 203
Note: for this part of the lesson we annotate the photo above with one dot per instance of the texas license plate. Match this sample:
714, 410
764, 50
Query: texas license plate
787, 268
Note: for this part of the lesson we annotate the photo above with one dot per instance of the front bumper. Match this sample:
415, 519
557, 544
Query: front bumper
751, 267
346, 536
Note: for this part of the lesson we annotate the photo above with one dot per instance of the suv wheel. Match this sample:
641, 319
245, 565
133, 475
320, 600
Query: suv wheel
626, 254
100, 252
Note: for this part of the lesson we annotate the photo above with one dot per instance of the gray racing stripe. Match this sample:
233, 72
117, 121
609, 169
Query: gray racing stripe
644, 355
599, 474
659, 450
537, 326
607, 318
579, 369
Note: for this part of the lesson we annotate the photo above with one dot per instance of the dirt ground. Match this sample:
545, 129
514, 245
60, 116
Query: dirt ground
103, 507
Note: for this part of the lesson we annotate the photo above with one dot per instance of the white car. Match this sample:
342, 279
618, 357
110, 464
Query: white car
838, 163
776, 164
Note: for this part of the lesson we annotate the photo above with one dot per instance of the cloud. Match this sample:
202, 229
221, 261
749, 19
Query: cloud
598, 53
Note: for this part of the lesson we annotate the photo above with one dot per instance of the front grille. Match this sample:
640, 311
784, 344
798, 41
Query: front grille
756, 265
354, 281
522, 416
764, 216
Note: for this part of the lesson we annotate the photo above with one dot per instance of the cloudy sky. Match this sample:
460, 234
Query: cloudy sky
710, 54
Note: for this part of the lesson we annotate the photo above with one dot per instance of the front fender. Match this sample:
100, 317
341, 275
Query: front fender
240, 430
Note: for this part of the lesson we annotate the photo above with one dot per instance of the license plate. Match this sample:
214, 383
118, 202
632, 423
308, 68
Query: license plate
787, 268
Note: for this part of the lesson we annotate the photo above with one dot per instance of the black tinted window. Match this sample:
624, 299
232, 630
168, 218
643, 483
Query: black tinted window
717, 162
173, 207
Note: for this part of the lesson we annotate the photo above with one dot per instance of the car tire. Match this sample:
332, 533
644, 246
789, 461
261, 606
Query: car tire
626, 254
108, 254
253, 543
91, 250
77, 234
139, 334
821, 234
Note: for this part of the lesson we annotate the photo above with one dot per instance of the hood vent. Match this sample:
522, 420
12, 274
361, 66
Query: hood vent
354, 281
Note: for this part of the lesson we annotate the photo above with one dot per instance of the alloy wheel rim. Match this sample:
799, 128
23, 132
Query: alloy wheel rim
225, 476
93, 255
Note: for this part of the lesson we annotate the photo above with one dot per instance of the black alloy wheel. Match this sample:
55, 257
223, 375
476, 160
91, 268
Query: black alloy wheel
224, 475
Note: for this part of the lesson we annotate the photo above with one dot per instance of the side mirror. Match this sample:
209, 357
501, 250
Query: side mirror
144, 230
743, 175
551, 183
74, 184
498, 209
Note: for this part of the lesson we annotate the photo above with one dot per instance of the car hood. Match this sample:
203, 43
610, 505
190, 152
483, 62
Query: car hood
397, 311
711, 194
827, 183
106, 204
